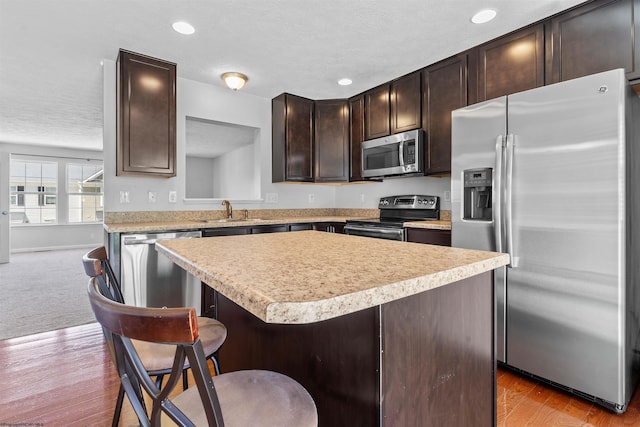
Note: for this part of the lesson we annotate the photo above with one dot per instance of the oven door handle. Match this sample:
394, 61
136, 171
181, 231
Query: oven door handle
398, 231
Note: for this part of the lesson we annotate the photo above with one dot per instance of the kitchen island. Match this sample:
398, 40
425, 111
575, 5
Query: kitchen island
379, 332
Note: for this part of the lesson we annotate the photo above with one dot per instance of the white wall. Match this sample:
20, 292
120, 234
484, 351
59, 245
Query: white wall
209, 102
199, 177
234, 174
367, 195
42, 236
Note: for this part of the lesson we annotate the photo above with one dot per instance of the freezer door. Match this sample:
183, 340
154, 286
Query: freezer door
475, 131
565, 306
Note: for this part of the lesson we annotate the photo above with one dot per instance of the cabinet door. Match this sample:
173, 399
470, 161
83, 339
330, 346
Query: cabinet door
292, 138
376, 112
430, 237
511, 64
275, 228
356, 136
331, 141
445, 89
146, 119
301, 227
593, 38
405, 97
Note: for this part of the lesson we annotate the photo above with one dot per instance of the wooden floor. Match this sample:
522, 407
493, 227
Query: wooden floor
66, 378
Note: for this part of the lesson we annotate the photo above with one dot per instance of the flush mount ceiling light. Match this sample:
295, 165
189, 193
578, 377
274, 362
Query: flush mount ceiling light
235, 81
483, 16
344, 82
183, 27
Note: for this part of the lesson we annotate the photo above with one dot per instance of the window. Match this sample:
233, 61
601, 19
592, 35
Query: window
85, 186
34, 188
55, 190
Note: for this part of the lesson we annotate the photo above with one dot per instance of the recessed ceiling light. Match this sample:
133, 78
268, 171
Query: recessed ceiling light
183, 27
344, 82
483, 16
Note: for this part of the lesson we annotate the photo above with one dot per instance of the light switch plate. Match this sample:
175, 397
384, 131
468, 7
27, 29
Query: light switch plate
124, 196
152, 196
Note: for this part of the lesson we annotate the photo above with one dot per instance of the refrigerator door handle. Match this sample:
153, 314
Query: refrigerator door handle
498, 194
507, 203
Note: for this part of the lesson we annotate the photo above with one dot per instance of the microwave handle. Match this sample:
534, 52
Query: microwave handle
401, 153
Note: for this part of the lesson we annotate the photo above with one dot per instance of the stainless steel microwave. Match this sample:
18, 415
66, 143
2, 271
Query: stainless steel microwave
398, 154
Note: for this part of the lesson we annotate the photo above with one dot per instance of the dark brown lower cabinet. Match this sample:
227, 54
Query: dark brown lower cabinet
430, 237
423, 360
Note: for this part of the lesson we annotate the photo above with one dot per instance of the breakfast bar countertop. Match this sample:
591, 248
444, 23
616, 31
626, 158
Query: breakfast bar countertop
310, 276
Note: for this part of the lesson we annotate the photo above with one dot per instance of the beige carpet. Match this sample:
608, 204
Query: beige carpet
43, 291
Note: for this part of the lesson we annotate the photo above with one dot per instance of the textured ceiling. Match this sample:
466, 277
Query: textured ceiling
50, 51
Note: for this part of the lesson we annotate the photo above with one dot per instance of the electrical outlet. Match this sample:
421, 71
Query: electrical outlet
447, 196
361, 197
173, 196
272, 198
152, 196
124, 196
312, 198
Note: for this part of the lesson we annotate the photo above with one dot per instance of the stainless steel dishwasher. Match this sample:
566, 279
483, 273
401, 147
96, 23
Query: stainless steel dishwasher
150, 279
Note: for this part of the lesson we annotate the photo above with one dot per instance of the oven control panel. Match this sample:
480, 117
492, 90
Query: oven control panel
409, 202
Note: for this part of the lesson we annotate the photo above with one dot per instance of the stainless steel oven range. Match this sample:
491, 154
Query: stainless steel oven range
394, 212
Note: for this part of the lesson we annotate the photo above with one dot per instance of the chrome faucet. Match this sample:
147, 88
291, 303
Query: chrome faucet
228, 208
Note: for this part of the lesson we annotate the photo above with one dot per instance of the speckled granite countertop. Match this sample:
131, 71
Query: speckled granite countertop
309, 276
138, 222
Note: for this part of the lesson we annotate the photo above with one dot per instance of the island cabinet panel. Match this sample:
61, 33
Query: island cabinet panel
598, 36
320, 356
292, 138
406, 103
511, 64
331, 141
430, 237
423, 360
445, 89
376, 112
356, 136
146, 117
446, 357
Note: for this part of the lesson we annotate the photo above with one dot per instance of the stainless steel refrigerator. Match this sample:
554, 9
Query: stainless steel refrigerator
552, 177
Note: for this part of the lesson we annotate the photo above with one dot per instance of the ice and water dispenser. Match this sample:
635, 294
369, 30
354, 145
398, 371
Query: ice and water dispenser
477, 194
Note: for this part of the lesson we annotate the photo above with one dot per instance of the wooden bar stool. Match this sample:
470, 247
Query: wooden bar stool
243, 398
156, 358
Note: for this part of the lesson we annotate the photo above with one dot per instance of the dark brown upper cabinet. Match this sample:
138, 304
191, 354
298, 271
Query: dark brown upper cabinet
356, 136
146, 118
292, 138
445, 89
598, 36
511, 64
405, 97
331, 141
376, 112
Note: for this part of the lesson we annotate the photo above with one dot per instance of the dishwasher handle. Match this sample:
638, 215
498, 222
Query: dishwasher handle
150, 239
